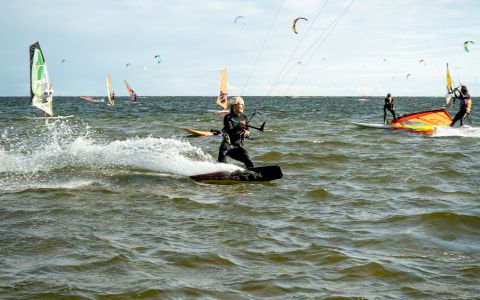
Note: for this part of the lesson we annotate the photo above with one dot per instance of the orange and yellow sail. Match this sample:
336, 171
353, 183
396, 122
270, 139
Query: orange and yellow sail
424, 121
130, 91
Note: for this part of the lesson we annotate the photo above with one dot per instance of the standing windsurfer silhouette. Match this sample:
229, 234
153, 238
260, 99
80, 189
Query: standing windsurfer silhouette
390, 106
113, 97
465, 105
133, 96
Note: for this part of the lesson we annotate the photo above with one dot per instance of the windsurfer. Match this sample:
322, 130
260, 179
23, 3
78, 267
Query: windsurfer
47, 94
133, 96
390, 106
465, 104
113, 97
234, 131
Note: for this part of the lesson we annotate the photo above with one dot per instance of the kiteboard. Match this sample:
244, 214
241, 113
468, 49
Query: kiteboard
267, 173
199, 133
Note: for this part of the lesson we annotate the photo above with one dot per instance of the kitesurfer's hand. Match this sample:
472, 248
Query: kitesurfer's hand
246, 133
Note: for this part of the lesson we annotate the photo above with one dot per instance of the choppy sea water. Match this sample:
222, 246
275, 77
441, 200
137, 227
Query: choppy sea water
101, 205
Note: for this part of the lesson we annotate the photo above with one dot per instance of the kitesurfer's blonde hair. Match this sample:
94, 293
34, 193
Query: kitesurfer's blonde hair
235, 101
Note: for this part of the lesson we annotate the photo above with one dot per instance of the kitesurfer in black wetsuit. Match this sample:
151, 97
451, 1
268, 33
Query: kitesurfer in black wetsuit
465, 104
390, 106
235, 130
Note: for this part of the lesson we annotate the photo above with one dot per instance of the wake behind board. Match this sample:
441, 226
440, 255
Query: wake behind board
268, 173
373, 125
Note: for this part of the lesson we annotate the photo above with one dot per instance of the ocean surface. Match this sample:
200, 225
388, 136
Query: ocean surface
100, 206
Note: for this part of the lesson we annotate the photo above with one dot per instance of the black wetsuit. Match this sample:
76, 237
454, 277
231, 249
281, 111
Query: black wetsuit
232, 143
463, 108
391, 107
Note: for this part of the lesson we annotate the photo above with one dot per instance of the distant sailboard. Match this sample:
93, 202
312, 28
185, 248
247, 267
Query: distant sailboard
222, 99
89, 99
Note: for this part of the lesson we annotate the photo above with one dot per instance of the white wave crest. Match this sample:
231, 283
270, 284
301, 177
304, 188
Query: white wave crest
464, 131
68, 147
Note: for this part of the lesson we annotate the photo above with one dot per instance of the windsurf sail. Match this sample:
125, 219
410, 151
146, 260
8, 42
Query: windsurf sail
109, 91
450, 95
449, 81
424, 121
130, 91
41, 92
222, 99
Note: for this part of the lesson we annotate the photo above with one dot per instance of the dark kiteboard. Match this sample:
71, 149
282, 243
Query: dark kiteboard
268, 173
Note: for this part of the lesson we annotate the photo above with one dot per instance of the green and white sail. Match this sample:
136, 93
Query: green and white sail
41, 93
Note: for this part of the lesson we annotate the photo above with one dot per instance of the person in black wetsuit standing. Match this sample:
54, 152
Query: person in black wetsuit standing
465, 105
133, 96
235, 130
390, 106
113, 98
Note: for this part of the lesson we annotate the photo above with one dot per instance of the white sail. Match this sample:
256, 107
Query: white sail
41, 91
449, 98
111, 101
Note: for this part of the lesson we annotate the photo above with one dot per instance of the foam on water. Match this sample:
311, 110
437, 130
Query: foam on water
464, 131
66, 147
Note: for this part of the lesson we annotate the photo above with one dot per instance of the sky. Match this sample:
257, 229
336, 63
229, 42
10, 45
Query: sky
346, 48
